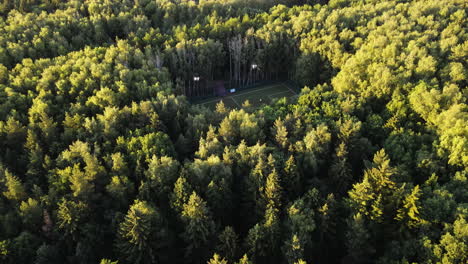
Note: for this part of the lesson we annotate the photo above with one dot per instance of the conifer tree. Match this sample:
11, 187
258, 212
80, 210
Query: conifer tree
358, 240
244, 260
14, 188
217, 260
31, 212
375, 197
199, 227
228, 243
71, 215
294, 249
256, 242
143, 235
273, 190
81, 183
181, 193
340, 170
280, 133
409, 212
108, 261
292, 180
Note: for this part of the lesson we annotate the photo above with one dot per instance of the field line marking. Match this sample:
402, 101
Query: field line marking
234, 100
248, 92
209, 102
277, 93
288, 88
269, 87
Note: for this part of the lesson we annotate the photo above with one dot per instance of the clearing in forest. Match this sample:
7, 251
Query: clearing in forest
256, 96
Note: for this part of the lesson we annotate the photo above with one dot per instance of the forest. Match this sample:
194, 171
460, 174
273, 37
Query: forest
104, 157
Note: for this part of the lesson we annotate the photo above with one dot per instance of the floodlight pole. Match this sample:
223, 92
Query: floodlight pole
254, 66
196, 79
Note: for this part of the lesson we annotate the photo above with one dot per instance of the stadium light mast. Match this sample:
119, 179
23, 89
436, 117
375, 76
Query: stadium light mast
196, 80
254, 66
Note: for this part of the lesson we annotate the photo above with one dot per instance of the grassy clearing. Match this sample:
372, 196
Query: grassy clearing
256, 96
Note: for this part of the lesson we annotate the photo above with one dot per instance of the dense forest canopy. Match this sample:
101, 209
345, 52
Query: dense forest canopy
104, 159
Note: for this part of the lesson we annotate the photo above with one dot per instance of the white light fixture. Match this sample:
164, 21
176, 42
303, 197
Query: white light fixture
254, 66
196, 78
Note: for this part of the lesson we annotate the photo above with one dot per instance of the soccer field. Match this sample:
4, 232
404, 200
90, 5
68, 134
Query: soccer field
256, 96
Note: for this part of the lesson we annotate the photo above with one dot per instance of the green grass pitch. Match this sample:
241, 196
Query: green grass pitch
256, 96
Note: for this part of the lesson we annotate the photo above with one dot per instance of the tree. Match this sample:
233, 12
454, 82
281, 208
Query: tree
244, 260
107, 261
47, 254
31, 212
228, 243
120, 188
280, 134
217, 260
294, 250
14, 188
292, 180
329, 222
36, 156
71, 215
81, 183
273, 190
359, 243
4, 250
143, 235
23, 247
409, 213
199, 227
375, 197
299, 224
257, 242
340, 171
181, 193
453, 243
161, 176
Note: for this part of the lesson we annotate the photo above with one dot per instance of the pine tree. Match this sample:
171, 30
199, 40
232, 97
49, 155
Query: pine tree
4, 253
273, 190
228, 243
14, 188
31, 212
409, 213
71, 215
299, 224
329, 216
358, 240
120, 188
257, 242
280, 134
273, 232
181, 193
252, 204
217, 260
221, 108
199, 227
340, 171
375, 197
161, 176
244, 260
294, 249
292, 179
143, 235
81, 183
108, 261
300, 262
36, 155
